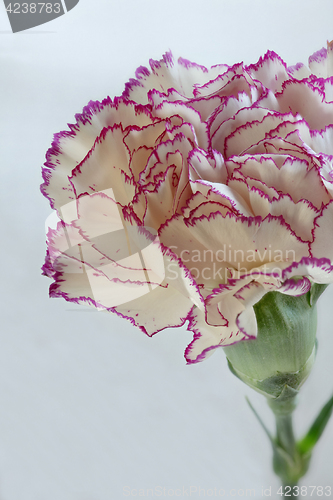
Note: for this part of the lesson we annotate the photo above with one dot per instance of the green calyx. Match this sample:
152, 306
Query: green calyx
280, 359
276, 364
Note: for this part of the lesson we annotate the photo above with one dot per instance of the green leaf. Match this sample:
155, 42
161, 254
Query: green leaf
307, 444
261, 423
281, 457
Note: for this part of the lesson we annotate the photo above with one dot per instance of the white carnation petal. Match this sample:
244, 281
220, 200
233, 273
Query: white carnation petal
299, 216
270, 70
208, 338
205, 266
295, 287
307, 100
318, 270
322, 245
299, 71
322, 141
236, 308
168, 74
245, 135
69, 148
242, 118
321, 62
206, 168
106, 167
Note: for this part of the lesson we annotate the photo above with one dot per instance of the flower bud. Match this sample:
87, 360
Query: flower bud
280, 359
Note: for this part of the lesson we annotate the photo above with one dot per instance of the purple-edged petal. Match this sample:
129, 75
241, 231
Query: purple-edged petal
208, 338
299, 71
69, 148
189, 115
321, 62
295, 287
244, 136
236, 308
207, 168
308, 101
248, 243
299, 216
177, 294
167, 74
293, 176
318, 270
106, 167
270, 70
322, 141
322, 245
206, 268
223, 127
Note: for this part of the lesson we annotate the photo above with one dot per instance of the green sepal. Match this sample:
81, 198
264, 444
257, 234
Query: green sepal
282, 385
315, 292
270, 437
307, 444
284, 351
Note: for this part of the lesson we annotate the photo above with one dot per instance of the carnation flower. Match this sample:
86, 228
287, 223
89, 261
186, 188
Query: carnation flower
194, 194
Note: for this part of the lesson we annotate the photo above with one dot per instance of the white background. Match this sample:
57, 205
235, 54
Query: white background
88, 404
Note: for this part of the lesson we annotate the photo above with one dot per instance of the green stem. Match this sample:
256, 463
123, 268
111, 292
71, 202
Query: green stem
285, 433
287, 460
